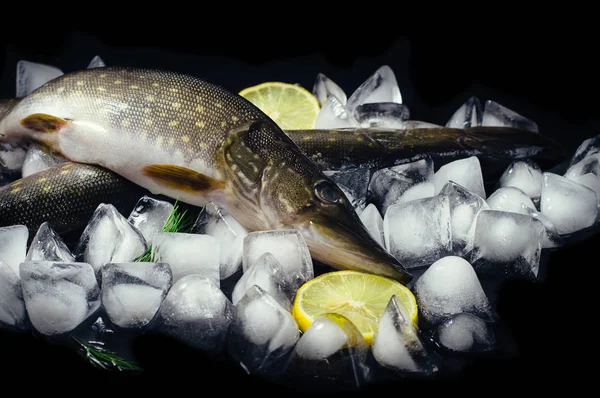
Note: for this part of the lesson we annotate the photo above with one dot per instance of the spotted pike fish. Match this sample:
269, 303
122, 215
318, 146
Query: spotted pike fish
194, 141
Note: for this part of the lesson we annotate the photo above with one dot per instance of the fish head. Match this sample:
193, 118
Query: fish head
273, 185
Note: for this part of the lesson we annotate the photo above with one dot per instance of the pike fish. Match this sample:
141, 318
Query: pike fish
191, 140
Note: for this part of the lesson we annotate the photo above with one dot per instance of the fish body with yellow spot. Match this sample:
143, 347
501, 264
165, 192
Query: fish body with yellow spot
194, 141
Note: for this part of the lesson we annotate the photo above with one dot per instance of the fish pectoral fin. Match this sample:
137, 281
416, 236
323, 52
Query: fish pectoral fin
44, 123
181, 178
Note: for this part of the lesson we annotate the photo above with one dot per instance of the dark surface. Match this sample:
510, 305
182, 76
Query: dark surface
546, 75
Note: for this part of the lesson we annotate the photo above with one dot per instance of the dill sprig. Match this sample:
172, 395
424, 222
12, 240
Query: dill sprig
104, 359
176, 222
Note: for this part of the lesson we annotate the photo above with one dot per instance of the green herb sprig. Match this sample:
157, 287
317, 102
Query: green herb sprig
103, 359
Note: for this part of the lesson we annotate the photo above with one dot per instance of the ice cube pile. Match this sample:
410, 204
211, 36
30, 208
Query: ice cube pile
222, 289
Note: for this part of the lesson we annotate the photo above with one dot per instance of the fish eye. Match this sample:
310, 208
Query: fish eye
327, 192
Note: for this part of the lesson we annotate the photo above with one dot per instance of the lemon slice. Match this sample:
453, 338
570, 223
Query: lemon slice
291, 106
358, 296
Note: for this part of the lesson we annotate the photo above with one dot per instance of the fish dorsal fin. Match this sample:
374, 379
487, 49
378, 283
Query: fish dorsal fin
181, 178
44, 123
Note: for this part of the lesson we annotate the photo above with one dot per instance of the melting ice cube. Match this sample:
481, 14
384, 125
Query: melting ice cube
589, 164
59, 296
188, 254
109, 238
495, 114
150, 215
268, 274
48, 245
470, 114
262, 332
354, 184
381, 86
525, 175
289, 248
418, 232
330, 353
382, 114
388, 185
96, 62
569, 205
32, 75
507, 243
509, 199
450, 286
13, 245
465, 332
37, 160
133, 292
396, 343
12, 306
551, 238
464, 208
12, 157
197, 313
213, 221
373, 221
466, 172
588, 147
334, 114
325, 87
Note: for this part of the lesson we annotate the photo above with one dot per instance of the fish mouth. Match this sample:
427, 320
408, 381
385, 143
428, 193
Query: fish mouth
349, 246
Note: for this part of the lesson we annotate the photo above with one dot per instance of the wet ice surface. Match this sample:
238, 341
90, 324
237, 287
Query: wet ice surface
109, 238
334, 114
32, 75
373, 221
470, 114
448, 287
381, 86
262, 332
37, 160
96, 62
149, 216
12, 158
525, 175
382, 114
12, 306
495, 114
13, 245
188, 254
509, 199
59, 296
551, 237
196, 312
418, 232
48, 245
213, 221
354, 184
133, 292
466, 332
325, 87
466, 172
288, 247
588, 147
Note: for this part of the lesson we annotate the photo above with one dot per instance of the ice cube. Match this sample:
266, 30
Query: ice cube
268, 274
213, 221
37, 160
507, 243
289, 248
59, 296
48, 245
150, 215
464, 208
465, 332
13, 245
330, 353
96, 62
451, 286
197, 313
589, 164
373, 221
133, 292
188, 254
588, 147
590, 180
334, 114
353, 182
551, 238
262, 332
509, 199
12, 306
396, 343
109, 238
466, 172
525, 175
569, 205
418, 232
12, 157
381, 86
382, 114
470, 114
495, 114
325, 87
388, 185
31, 75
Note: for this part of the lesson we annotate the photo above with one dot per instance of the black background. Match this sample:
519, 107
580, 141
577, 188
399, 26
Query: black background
548, 74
